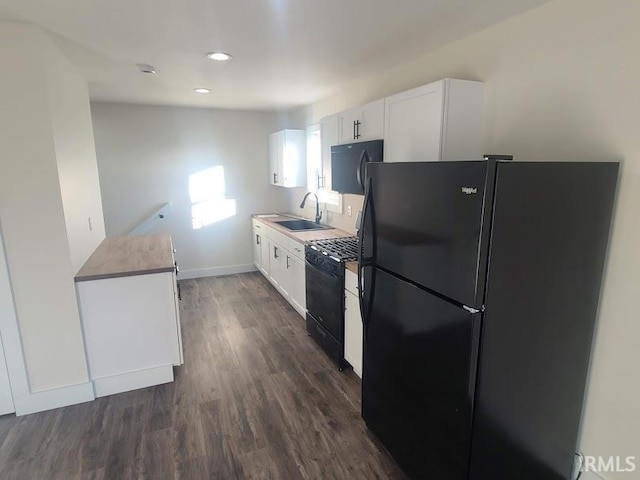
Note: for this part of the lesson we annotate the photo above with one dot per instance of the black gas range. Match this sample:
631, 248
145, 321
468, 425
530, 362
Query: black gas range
325, 265
344, 249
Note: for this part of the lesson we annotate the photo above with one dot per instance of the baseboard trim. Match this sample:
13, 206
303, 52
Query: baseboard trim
56, 398
132, 380
302, 313
216, 271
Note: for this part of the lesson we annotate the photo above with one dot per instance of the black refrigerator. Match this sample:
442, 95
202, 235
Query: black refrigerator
479, 287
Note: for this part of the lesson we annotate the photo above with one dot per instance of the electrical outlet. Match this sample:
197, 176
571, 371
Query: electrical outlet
349, 210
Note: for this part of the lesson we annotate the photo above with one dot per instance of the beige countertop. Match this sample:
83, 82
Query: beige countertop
272, 220
127, 256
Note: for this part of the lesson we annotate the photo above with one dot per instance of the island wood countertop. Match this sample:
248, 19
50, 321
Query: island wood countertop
128, 256
303, 236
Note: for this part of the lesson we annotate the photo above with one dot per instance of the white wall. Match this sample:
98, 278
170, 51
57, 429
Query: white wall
68, 99
38, 119
561, 84
146, 155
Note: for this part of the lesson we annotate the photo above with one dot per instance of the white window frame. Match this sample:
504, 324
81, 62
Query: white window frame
329, 200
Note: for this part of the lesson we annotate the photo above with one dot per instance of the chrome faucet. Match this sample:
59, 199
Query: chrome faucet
318, 212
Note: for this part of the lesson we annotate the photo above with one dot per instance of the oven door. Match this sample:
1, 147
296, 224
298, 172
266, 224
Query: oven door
325, 302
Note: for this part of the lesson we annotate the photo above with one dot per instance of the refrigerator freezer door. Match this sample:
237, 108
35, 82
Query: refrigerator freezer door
428, 222
418, 378
550, 230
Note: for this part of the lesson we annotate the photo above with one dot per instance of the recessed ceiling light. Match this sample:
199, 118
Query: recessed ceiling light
219, 56
202, 90
144, 68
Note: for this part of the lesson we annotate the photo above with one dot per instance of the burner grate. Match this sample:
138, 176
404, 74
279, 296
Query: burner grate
344, 249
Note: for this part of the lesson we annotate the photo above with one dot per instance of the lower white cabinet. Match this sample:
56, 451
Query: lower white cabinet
261, 247
281, 260
353, 331
257, 249
132, 331
298, 291
279, 269
261, 251
265, 247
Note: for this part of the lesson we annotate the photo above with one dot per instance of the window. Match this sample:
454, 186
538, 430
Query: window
314, 158
315, 175
208, 202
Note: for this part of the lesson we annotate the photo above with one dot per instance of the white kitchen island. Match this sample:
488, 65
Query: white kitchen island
128, 298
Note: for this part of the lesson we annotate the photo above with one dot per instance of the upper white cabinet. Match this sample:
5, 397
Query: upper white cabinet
287, 158
362, 123
438, 121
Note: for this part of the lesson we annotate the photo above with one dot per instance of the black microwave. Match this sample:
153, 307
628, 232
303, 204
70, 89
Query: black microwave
349, 165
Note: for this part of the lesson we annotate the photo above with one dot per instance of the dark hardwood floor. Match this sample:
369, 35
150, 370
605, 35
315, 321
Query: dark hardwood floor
256, 398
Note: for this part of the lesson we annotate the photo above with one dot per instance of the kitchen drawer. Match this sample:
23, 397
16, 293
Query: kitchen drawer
258, 225
351, 282
332, 347
296, 248
279, 238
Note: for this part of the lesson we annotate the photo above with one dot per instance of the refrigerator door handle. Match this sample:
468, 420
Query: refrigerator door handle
470, 309
366, 304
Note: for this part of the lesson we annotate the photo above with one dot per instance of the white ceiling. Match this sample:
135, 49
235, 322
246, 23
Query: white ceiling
286, 52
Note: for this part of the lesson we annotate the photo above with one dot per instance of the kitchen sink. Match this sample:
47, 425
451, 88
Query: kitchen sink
302, 225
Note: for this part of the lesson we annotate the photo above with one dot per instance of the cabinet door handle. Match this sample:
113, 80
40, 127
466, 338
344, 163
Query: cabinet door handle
288, 261
354, 130
357, 124
275, 178
257, 239
179, 291
275, 252
320, 182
